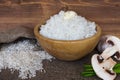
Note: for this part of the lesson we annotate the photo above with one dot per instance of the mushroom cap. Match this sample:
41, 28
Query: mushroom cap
115, 40
102, 45
103, 69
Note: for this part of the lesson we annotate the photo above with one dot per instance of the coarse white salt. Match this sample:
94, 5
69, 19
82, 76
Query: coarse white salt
22, 57
68, 26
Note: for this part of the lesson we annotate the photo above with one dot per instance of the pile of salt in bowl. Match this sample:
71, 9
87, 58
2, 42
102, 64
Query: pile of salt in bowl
68, 26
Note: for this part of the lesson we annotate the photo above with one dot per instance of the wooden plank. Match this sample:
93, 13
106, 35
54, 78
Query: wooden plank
42, 8
103, 12
21, 11
37, 11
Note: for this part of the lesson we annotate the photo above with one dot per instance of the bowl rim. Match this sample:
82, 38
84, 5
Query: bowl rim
37, 34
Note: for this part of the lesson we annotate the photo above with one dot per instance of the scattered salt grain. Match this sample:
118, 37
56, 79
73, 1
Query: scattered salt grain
68, 26
21, 56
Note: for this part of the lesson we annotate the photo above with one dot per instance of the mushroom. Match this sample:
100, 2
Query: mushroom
110, 46
103, 63
103, 68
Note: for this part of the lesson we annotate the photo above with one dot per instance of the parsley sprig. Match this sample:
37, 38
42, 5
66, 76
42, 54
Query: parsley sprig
89, 72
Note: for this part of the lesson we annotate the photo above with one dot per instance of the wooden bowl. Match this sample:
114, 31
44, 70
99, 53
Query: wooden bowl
68, 50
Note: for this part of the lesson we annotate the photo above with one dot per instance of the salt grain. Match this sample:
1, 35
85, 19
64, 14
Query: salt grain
21, 56
68, 26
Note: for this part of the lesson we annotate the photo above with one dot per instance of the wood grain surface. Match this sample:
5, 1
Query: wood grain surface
106, 13
16, 15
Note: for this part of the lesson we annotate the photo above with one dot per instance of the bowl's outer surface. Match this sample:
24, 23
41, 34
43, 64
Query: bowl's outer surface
68, 50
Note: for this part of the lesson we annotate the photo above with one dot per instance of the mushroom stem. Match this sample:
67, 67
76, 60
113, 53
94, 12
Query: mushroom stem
108, 52
109, 64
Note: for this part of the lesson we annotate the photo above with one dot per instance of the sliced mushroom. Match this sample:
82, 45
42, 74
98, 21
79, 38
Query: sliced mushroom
103, 63
103, 68
109, 45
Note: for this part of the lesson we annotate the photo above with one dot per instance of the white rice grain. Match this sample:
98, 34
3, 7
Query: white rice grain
21, 56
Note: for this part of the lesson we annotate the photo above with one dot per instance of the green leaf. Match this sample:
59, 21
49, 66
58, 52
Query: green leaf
88, 72
117, 68
88, 67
